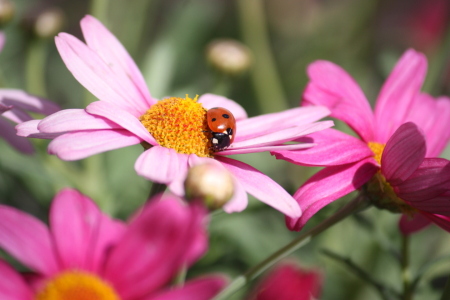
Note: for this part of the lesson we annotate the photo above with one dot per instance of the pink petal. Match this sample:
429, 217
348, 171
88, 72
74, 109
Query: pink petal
122, 118
441, 221
282, 136
197, 289
269, 123
210, 100
17, 115
81, 144
433, 117
4, 108
28, 240
177, 185
76, 224
397, 95
30, 129
106, 45
12, 285
334, 88
262, 187
430, 180
332, 147
8, 133
74, 119
96, 76
329, 185
2, 40
25, 101
158, 164
410, 225
403, 154
283, 147
159, 239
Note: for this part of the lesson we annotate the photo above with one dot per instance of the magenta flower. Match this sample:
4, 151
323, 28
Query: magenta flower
388, 153
287, 281
174, 130
86, 252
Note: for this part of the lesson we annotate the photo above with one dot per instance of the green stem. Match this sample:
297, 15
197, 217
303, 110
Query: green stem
264, 73
355, 205
406, 273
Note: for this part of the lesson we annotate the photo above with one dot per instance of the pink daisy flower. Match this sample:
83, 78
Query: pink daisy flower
174, 131
287, 281
388, 155
84, 252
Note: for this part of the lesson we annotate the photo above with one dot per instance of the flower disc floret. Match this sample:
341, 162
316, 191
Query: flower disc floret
180, 124
77, 285
377, 150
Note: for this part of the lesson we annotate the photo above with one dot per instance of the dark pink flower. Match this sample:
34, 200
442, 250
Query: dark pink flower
389, 149
85, 251
287, 282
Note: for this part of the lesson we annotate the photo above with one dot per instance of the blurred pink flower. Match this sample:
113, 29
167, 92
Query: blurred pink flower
386, 150
84, 251
287, 282
103, 66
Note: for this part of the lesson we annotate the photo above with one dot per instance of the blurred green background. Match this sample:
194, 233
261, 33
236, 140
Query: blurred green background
169, 41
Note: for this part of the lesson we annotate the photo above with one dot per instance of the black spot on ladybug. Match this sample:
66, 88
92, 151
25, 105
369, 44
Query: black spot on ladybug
213, 119
226, 116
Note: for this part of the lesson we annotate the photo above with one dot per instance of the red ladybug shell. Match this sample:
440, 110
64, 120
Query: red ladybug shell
222, 124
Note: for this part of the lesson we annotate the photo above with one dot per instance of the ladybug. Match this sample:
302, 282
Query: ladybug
222, 124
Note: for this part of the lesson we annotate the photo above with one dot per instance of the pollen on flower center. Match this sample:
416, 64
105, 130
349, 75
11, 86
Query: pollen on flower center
77, 285
377, 150
180, 124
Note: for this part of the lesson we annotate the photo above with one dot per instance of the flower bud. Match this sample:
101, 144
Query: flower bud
210, 183
6, 11
48, 23
229, 56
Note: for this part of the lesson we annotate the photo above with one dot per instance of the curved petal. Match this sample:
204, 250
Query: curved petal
256, 149
96, 76
73, 119
30, 129
12, 285
124, 119
210, 100
412, 225
76, 224
4, 108
433, 117
197, 289
430, 180
332, 147
262, 187
159, 239
25, 101
329, 185
403, 154
28, 240
269, 123
283, 135
441, 221
334, 88
8, 132
158, 164
106, 45
81, 144
398, 92
17, 115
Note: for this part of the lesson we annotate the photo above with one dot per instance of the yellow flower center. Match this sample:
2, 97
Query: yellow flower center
180, 124
377, 150
77, 285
